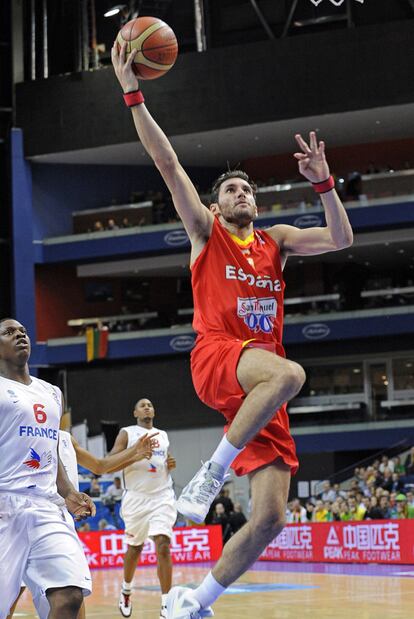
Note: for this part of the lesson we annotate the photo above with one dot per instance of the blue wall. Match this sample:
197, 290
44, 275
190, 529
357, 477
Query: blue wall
58, 190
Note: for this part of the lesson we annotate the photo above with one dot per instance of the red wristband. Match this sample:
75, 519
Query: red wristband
133, 98
324, 186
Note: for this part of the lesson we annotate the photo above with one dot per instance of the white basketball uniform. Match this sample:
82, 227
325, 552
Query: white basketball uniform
148, 503
38, 542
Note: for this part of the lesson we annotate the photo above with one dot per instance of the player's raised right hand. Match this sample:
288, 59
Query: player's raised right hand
123, 67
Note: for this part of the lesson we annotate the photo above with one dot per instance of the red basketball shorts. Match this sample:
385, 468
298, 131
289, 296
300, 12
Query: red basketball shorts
213, 365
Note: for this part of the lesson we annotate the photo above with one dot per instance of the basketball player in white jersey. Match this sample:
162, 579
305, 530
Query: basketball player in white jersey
38, 544
70, 454
148, 504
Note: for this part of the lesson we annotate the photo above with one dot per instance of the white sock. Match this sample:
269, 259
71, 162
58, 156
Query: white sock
164, 599
126, 586
225, 453
208, 592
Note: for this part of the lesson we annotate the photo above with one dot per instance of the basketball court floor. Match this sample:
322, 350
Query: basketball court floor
269, 591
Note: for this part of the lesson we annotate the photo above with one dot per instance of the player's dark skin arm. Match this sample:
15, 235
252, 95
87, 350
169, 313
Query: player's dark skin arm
114, 462
121, 443
78, 503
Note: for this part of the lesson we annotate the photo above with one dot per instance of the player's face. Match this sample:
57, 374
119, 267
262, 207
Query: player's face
144, 413
14, 342
236, 202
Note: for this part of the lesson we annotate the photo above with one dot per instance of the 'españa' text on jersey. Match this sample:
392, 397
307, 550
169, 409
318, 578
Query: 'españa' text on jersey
238, 287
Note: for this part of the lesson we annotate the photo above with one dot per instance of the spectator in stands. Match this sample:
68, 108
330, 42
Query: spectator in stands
370, 489
344, 514
355, 511
353, 188
112, 496
237, 518
401, 508
112, 225
410, 504
328, 493
296, 513
397, 485
94, 489
224, 498
409, 463
398, 466
310, 508
366, 504
384, 506
386, 463
328, 507
320, 513
387, 483
374, 512
126, 223
354, 487
97, 226
370, 475
115, 490
103, 525
335, 511
378, 479
358, 497
222, 518
339, 492
84, 527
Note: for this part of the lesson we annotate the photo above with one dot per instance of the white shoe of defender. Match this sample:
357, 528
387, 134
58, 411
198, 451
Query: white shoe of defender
182, 605
198, 495
163, 612
125, 604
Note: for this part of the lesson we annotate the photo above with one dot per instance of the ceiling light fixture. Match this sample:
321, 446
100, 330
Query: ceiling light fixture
117, 8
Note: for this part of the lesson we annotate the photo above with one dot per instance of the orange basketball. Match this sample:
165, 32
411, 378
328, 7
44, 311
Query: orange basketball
156, 44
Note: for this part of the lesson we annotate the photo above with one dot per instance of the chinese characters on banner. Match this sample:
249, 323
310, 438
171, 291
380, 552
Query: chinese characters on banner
189, 545
380, 541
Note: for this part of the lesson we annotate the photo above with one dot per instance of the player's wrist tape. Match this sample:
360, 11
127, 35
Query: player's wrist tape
324, 186
133, 98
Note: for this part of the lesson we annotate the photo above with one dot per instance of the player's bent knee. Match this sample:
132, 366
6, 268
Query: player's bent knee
295, 377
65, 599
135, 550
162, 545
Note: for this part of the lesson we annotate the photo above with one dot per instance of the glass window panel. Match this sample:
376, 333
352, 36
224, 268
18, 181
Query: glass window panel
403, 371
334, 380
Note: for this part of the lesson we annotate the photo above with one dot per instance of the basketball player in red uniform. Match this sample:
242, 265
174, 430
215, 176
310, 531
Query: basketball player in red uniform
238, 363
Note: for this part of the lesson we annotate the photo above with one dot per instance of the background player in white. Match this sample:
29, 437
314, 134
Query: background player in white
147, 506
38, 544
71, 454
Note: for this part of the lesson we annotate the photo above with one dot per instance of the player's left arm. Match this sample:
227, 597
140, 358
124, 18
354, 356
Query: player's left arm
337, 234
78, 503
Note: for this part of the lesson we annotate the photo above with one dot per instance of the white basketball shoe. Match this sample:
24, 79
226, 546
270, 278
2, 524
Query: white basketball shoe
182, 605
125, 604
198, 495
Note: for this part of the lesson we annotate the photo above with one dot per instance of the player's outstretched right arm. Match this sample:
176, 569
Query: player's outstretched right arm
197, 219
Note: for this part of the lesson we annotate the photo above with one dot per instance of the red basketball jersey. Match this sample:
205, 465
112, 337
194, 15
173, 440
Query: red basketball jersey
238, 288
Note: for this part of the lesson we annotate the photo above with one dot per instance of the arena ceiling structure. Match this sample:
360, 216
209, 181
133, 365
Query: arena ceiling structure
68, 41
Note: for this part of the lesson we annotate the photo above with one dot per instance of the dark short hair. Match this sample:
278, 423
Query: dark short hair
215, 189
